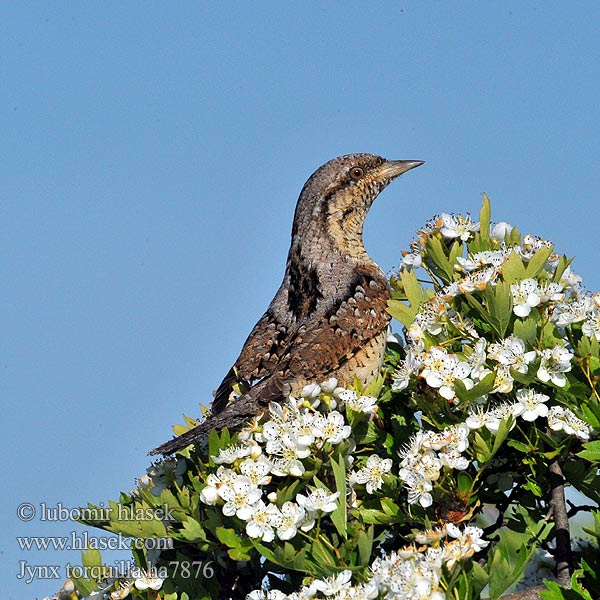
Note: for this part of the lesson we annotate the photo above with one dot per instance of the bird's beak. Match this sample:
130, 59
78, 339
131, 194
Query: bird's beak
393, 168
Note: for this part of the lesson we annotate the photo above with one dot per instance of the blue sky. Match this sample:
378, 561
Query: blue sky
153, 155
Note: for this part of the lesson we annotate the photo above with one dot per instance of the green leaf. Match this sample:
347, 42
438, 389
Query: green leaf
192, 530
534, 488
591, 451
287, 557
456, 250
480, 578
538, 261
520, 446
465, 482
322, 554
556, 592
240, 554
485, 215
375, 385
499, 306
481, 388
389, 506
588, 347
238, 547
412, 287
513, 269
91, 561
441, 265
563, 263
483, 451
228, 536
526, 329
591, 414
376, 512
217, 441
91, 558
514, 237
514, 550
339, 516
365, 546
402, 312
130, 524
503, 430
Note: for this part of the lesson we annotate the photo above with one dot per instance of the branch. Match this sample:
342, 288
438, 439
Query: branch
562, 554
532, 593
574, 509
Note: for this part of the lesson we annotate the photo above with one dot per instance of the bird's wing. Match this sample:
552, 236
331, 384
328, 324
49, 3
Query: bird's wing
311, 348
258, 359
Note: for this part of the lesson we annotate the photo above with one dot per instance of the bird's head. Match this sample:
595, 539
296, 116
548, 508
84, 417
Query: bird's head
337, 197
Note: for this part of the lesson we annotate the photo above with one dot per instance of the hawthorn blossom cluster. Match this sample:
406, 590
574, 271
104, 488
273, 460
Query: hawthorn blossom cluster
426, 455
529, 406
279, 447
450, 353
410, 573
584, 309
441, 369
444, 348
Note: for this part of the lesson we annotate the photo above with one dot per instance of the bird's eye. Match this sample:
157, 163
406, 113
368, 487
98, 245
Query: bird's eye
356, 172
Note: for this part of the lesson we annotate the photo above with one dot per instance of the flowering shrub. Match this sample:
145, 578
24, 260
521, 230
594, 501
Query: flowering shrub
443, 479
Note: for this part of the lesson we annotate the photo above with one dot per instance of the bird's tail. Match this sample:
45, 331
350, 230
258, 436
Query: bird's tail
250, 404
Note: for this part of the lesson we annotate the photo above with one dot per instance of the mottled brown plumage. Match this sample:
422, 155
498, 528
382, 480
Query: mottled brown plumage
328, 318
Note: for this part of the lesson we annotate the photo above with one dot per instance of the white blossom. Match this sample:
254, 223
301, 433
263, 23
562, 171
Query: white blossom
563, 419
503, 383
166, 473
320, 499
554, 364
266, 595
441, 369
497, 414
230, 454
510, 352
530, 404
406, 369
257, 470
239, 498
364, 404
500, 230
411, 260
372, 473
567, 313
419, 489
291, 516
551, 292
591, 326
264, 519
331, 428
525, 296
530, 245
457, 226
147, 581
332, 585
572, 281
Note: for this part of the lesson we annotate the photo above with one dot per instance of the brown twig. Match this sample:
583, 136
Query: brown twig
562, 553
574, 509
532, 593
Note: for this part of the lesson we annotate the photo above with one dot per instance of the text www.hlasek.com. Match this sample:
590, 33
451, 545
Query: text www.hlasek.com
83, 541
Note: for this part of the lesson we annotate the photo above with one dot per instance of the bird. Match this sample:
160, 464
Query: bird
328, 318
